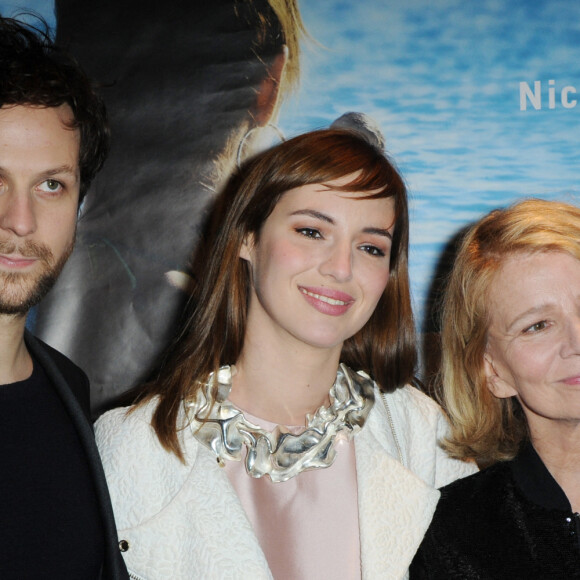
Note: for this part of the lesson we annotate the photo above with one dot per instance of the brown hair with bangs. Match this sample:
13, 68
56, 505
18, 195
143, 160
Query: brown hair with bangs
213, 332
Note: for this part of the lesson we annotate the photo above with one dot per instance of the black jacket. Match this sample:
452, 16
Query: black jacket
509, 521
72, 386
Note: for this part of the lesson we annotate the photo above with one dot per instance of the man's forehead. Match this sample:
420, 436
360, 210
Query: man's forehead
27, 115
40, 136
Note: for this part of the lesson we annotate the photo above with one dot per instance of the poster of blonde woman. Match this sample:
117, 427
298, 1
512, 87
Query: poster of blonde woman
477, 102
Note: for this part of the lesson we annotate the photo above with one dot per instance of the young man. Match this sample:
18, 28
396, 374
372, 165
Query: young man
57, 520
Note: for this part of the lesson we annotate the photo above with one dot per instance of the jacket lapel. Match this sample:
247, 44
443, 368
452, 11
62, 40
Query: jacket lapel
229, 538
395, 505
113, 560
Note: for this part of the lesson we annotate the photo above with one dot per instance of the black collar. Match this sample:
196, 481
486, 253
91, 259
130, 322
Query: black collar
536, 482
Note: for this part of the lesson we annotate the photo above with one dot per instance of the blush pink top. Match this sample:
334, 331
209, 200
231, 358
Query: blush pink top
307, 526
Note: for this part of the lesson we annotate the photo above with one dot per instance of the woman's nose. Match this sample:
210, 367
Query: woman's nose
338, 262
572, 340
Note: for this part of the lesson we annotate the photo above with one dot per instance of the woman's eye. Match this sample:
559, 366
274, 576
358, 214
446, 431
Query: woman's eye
373, 250
50, 186
309, 233
537, 326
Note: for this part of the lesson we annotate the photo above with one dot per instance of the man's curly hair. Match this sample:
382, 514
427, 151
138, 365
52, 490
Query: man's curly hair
35, 71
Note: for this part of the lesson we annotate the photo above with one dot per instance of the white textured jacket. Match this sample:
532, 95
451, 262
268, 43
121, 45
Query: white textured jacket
183, 522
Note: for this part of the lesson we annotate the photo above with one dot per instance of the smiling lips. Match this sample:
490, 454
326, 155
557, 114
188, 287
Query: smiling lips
572, 380
328, 301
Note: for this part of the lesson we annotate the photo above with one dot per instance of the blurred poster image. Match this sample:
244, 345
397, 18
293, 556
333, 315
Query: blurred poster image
184, 82
478, 102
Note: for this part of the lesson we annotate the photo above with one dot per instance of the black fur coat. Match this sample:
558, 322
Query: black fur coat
509, 521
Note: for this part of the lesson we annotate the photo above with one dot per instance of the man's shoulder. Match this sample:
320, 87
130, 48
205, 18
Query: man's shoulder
61, 360
74, 377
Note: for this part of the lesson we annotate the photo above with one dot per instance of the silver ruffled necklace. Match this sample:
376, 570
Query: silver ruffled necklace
279, 454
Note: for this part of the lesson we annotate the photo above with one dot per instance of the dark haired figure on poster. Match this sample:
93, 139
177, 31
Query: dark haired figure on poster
265, 447
511, 385
190, 85
57, 520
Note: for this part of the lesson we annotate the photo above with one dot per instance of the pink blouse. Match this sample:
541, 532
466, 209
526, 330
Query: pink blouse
307, 526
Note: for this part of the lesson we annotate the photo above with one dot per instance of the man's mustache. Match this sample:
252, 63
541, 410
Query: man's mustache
27, 249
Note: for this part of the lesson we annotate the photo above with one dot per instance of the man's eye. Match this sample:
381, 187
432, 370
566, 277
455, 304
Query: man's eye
50, 186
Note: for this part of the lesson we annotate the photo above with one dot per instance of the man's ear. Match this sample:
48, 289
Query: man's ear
247, 248
267, 96
498, 386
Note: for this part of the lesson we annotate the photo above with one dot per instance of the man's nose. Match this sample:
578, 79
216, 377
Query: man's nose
17, 212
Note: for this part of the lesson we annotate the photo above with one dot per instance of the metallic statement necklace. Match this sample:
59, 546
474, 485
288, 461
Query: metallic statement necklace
279, 454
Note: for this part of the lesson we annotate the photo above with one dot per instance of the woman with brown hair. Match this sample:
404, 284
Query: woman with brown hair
281, 437
511, 387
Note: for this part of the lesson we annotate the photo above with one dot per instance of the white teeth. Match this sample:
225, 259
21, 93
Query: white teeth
324, 298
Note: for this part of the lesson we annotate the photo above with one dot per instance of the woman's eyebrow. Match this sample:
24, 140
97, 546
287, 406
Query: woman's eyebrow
314, 214
322, 216
379, 232
539, 310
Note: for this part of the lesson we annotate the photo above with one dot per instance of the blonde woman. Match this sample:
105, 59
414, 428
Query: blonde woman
511, 386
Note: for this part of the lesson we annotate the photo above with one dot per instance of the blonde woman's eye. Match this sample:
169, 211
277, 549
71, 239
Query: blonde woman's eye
537, 326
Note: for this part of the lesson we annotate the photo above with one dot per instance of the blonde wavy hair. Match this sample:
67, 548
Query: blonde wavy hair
483, 427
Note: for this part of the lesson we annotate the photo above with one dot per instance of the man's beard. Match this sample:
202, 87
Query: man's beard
20, 291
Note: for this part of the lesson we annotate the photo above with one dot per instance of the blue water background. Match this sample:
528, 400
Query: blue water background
442, 79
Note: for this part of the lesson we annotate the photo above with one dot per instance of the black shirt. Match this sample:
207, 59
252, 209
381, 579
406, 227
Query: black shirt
50, 527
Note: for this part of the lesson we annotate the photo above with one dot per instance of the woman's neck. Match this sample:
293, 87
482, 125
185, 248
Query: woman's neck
283, 387
559, 449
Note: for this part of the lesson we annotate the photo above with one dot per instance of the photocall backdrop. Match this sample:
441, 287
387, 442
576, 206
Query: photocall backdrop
478, 101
